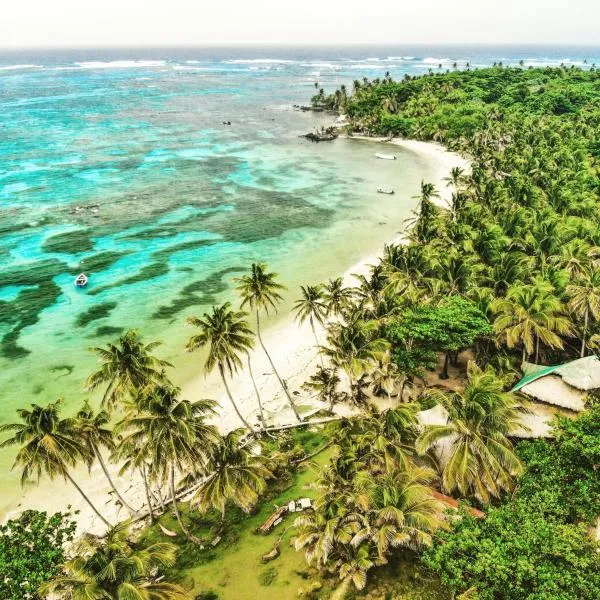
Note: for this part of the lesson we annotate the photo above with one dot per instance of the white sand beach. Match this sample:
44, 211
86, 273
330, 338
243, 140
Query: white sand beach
293, 350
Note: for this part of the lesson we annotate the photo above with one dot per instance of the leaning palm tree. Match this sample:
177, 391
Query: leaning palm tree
91, 429
481, 458
584, 301
236, 475
312, 307
115, 569
47, 446
175, 433
227, 335
125, 366
260, 291
528, 315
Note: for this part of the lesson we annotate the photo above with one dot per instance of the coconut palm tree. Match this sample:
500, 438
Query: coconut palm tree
115, 569
227, 335
325, 383
47, 446
126, 366
354, 347
401, 509
386, 440
175, 433
530, 314
92, 429
482, 460
236, 475
584, 301
312, 307
335, 296
260, 291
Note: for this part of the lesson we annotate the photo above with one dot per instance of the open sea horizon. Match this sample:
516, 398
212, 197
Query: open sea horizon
119, 162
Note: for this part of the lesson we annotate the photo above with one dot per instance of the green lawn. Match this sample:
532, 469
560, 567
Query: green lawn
233, 570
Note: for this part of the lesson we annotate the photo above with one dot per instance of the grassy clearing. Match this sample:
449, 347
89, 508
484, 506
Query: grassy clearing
233, 570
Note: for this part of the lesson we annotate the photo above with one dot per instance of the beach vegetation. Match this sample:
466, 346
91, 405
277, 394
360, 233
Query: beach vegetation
32, 550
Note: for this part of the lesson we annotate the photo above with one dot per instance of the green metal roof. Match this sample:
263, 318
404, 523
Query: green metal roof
535, 372
581, 373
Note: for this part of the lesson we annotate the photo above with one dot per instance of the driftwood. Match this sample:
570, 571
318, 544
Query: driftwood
275, 552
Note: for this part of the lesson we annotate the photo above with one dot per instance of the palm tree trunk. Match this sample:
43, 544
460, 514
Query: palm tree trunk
98, 455
537, 349
585, 326
161, 501
283, 386
147, 490
524, 355
342, 590
402, 389
239, 414
444, 373
312, 326
260, 408
187, 534
87, 499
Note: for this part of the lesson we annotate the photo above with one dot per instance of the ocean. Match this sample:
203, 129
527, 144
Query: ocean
121, 163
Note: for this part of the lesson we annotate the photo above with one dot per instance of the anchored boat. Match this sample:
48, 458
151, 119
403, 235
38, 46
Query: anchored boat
386, 156
381, 190
81, 280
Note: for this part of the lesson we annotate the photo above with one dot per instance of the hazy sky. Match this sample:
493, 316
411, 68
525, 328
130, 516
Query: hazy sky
191, 22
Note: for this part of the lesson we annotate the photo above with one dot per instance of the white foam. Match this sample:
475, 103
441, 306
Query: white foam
436, 61
266, 61
19, 67
120, 64
322, 65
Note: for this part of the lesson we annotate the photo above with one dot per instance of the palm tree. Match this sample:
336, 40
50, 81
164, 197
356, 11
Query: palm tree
482, 460
126, 366
324, 382
174, 432
115, 569
386, 440
584, 301
312, 307
354, 347
401, 509
227, 335
335, 296
47, 446
91, 429
530, 314
236, 475
260, 291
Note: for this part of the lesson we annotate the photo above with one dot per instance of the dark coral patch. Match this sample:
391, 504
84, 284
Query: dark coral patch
99, 311
198, 293
70, 242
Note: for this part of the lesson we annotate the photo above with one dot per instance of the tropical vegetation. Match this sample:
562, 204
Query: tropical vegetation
501, 274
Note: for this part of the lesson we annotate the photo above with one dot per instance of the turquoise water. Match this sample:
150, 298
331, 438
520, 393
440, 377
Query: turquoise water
117, 163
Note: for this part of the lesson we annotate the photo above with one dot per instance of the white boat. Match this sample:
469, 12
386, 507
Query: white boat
381, 190
386, 156
81, 280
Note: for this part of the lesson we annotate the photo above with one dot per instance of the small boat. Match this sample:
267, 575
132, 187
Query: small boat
386, 156
81, 280
381, 190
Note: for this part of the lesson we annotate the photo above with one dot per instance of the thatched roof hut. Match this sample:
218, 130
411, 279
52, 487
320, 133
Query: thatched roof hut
561, 385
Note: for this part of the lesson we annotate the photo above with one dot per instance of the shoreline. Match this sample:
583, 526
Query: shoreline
292, 347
